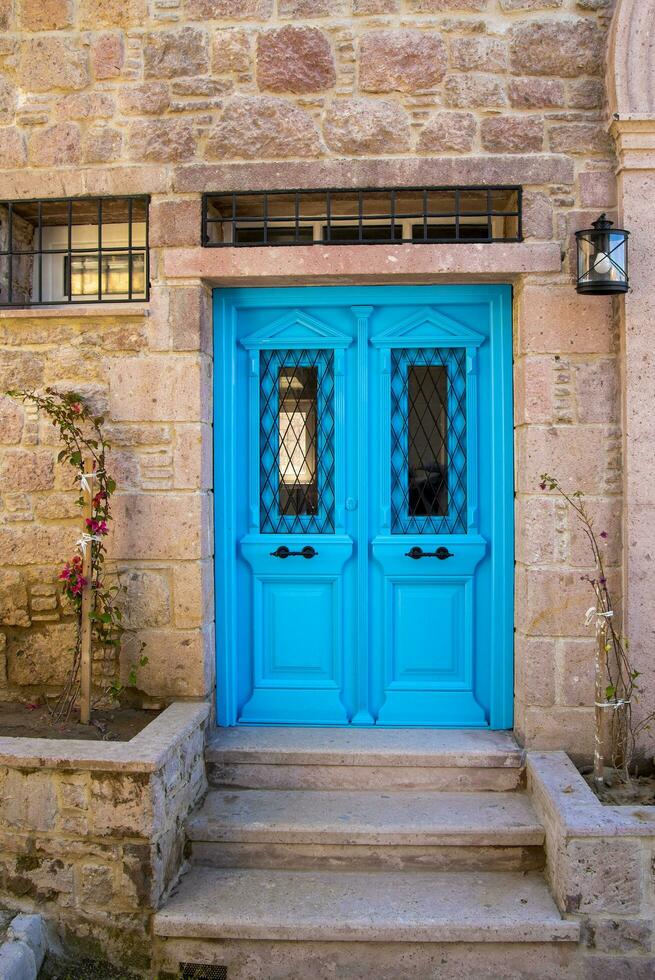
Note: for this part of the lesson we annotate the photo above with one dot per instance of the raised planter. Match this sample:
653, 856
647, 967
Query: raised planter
91, 832
600, 867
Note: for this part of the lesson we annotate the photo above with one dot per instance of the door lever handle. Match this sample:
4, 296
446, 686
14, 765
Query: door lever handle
441, 553
284, 552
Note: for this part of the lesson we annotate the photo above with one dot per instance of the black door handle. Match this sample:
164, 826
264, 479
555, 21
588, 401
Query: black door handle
441, 553
284, 552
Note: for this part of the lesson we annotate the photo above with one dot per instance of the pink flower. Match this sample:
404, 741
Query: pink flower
76, 407
96, 527
603, 534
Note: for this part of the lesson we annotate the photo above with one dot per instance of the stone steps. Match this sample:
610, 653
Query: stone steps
341, 758
366, 829
390, 907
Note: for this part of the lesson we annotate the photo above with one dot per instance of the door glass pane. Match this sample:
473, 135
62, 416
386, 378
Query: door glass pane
427, 462
428, 441
296, 441
298, 488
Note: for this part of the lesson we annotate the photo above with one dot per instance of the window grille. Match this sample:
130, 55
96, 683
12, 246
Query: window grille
368, 216
74, 250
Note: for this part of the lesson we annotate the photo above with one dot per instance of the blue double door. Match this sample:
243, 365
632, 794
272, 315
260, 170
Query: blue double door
364, 506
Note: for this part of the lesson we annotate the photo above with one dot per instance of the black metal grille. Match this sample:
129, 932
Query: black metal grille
370, 216
428, 441
202, 971
297, 441
74, 250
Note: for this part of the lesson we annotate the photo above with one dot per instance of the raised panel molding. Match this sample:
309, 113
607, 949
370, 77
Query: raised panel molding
428, 328
296, 330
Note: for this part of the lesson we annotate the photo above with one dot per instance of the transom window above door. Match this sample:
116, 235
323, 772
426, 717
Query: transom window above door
371, 216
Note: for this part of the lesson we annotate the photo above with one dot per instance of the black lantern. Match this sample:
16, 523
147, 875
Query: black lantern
602, 259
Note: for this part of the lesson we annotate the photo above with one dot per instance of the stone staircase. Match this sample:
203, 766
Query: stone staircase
338, 853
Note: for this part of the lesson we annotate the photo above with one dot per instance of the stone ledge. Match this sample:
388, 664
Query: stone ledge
343, 264
94, 310
146, 752
566, 798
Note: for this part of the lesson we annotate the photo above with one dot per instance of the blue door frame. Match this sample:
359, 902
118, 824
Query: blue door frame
362, 634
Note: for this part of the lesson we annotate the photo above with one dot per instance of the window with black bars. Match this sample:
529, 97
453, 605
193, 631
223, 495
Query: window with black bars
74, 250
297, 441
370, 216
428, 441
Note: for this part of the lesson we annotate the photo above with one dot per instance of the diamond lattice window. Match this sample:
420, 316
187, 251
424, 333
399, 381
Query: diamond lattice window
428, 441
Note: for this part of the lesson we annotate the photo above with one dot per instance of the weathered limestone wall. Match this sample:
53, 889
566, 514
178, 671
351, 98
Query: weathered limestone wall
94, 841
172, 98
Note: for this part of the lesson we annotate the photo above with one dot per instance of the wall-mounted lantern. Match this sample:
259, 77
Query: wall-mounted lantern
602, 259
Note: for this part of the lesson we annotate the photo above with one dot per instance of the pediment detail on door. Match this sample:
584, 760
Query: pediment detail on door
296, 330
428, 328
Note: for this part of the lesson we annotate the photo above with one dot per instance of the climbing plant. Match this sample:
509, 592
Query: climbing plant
617, 687
83, 575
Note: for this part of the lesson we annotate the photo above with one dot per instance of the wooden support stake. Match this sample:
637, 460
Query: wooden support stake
86, 662
601, 684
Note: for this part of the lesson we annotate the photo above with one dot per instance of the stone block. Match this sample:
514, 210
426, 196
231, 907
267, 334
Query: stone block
8, 100
107, 55
95, 14
175, 53
27, 469
28, 800
48, 62
231, 52
576, 671
530, 4
567, 48
448, 132
174, 223
475, 91
160, 388
101, 144
13, 599
145, 598
193, 594
560, 729
192, 459
440, 6
587, 93
580, 139
606, 515
534, 382
534, 659
512, 134
597, 392
12, 148
551, 602
583, 459
161, 140
478, 54
256, 128
147, 98
618, 935
312, 8
121, 805
599, 875
537, 216
366, 7
45, 15
612, 967
540, 530
229, 9
557, 320
366, 126
536, 93
190, 318
41, 657
295, 59
180, 662
12, 418
401, 61
96, 885
86, 105
55, 146
597, 189
160, 526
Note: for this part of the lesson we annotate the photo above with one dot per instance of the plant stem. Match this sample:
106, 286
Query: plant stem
86, 660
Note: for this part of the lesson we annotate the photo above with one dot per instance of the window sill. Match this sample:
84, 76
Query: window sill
94, 310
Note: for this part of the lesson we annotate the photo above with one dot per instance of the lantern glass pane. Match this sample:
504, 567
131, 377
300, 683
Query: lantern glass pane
602, 258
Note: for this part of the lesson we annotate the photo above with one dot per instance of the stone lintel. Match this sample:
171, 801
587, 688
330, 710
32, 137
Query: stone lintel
344, 264
634, 136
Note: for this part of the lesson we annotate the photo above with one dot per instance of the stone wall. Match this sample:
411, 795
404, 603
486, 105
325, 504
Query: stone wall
172, 97
92, 837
